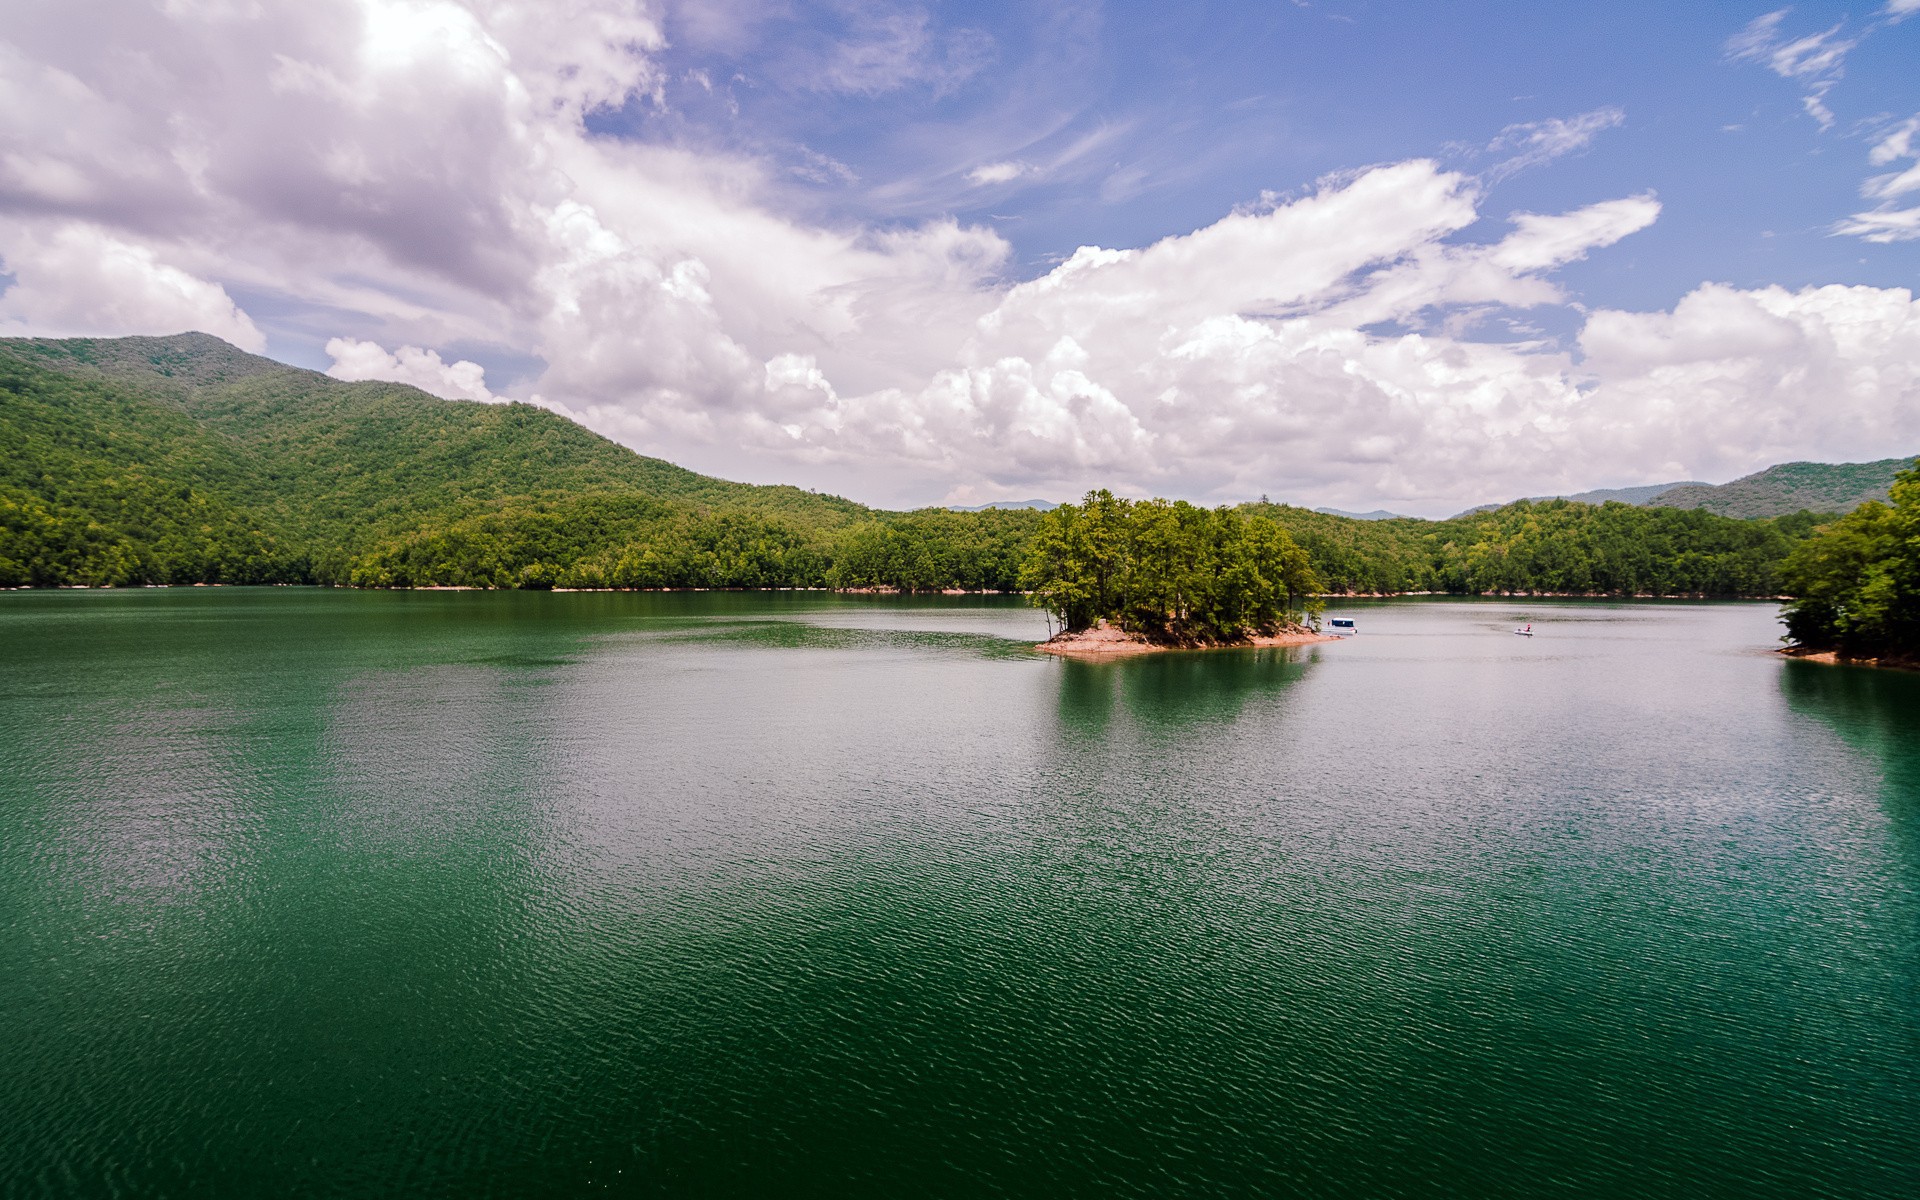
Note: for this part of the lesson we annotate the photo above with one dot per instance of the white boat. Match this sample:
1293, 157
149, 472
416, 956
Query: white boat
1341, 626
1526, 632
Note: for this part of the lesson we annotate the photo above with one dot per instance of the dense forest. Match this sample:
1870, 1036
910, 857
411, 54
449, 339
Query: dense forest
135, 461
1857, 581
183, 460
1171, 572
1558, 546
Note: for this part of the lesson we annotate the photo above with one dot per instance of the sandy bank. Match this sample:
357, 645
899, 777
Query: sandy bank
1108, 641
1834, 657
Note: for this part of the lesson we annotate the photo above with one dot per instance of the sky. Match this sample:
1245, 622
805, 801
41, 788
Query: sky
1337, 252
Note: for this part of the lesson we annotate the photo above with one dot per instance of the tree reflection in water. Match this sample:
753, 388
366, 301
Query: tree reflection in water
1874, 709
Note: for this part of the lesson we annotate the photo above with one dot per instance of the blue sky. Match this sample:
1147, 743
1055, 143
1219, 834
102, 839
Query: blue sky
1405, 255
1194, 109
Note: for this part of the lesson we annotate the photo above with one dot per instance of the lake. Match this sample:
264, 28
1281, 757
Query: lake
474, 894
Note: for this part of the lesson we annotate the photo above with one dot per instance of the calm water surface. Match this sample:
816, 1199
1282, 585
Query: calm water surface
468, 894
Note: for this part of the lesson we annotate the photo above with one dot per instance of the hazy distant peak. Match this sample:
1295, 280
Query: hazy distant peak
1039, 505
1378, 514
1775, 492
1625, 495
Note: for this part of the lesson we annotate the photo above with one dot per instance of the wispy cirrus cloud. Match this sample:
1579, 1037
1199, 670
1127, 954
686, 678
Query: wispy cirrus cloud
884, 48
1815, 61
1536, 142
1888, 221
1902, 141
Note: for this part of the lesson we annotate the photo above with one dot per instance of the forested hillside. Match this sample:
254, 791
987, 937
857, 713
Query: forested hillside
329, 456
1612, 549
1554, 546
1790, 488
102, 485
184, 460
1357, 555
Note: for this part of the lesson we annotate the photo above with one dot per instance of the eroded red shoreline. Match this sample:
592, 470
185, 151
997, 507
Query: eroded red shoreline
1108, 641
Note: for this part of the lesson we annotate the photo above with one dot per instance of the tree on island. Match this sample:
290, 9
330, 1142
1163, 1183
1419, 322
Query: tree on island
1168, 571
1856, 582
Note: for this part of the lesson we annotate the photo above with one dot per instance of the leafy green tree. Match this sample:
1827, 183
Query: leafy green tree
1856, 582
1167, 570
1074, 565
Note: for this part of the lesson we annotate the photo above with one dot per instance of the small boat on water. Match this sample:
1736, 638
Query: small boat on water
1527, 631
1341, 626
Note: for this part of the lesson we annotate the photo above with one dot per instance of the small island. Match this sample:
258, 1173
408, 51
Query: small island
1856, 584
1106, 640
1127, 577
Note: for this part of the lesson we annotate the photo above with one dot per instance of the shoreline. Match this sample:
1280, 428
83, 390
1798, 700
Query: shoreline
1331, 597
1105, 641
1834, 658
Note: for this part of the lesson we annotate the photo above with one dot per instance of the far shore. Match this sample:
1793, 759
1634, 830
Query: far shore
1330, 597
1105, 641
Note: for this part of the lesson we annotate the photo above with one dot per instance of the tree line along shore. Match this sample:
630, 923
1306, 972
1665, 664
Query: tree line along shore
1856, 583
136, 531
139, 461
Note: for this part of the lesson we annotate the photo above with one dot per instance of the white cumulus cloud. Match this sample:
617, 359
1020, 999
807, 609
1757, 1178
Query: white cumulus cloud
1824, 372
999, 172
422, 173
463, 380
73, 279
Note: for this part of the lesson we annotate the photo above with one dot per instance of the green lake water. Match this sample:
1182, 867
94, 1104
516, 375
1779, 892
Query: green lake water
308, 892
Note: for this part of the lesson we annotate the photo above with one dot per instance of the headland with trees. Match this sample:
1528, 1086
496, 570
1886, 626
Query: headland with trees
1856, 583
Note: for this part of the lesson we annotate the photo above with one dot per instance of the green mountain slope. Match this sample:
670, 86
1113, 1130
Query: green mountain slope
1789, 488
328, 456
100, 484
381, 455
171, 366
185, 460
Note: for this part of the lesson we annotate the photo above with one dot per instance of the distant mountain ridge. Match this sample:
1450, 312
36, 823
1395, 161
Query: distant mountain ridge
1378, 514
1643, 494
1005, 506
1778, 491
1789, 488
